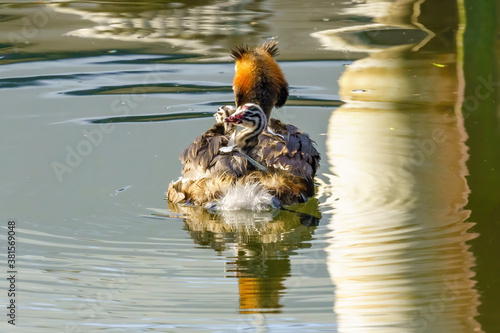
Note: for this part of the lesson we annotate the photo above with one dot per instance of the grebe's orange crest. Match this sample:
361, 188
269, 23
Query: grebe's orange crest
238, 51
258, 78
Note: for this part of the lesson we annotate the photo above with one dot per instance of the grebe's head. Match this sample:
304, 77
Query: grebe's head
249, 115
258, 78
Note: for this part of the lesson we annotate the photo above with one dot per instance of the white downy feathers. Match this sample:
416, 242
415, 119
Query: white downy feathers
252, 196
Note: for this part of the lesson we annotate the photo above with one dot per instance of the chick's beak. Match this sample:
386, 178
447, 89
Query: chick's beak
234, 119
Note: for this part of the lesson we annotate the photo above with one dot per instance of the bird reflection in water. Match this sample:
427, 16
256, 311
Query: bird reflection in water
398, 252
258, 246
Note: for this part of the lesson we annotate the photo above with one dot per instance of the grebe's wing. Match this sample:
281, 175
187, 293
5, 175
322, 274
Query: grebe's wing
288, 148
203, 157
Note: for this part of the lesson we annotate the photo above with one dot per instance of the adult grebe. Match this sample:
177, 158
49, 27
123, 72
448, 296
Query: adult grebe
278, 162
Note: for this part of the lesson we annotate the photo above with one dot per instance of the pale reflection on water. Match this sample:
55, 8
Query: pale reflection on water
182, 24
398, 254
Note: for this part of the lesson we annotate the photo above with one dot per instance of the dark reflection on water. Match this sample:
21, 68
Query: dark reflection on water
150, 118
156, 88
261, 245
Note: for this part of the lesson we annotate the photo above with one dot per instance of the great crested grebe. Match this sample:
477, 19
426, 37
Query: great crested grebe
266, 164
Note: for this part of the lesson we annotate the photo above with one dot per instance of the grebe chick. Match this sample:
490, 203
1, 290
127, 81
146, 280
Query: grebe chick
222, 113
